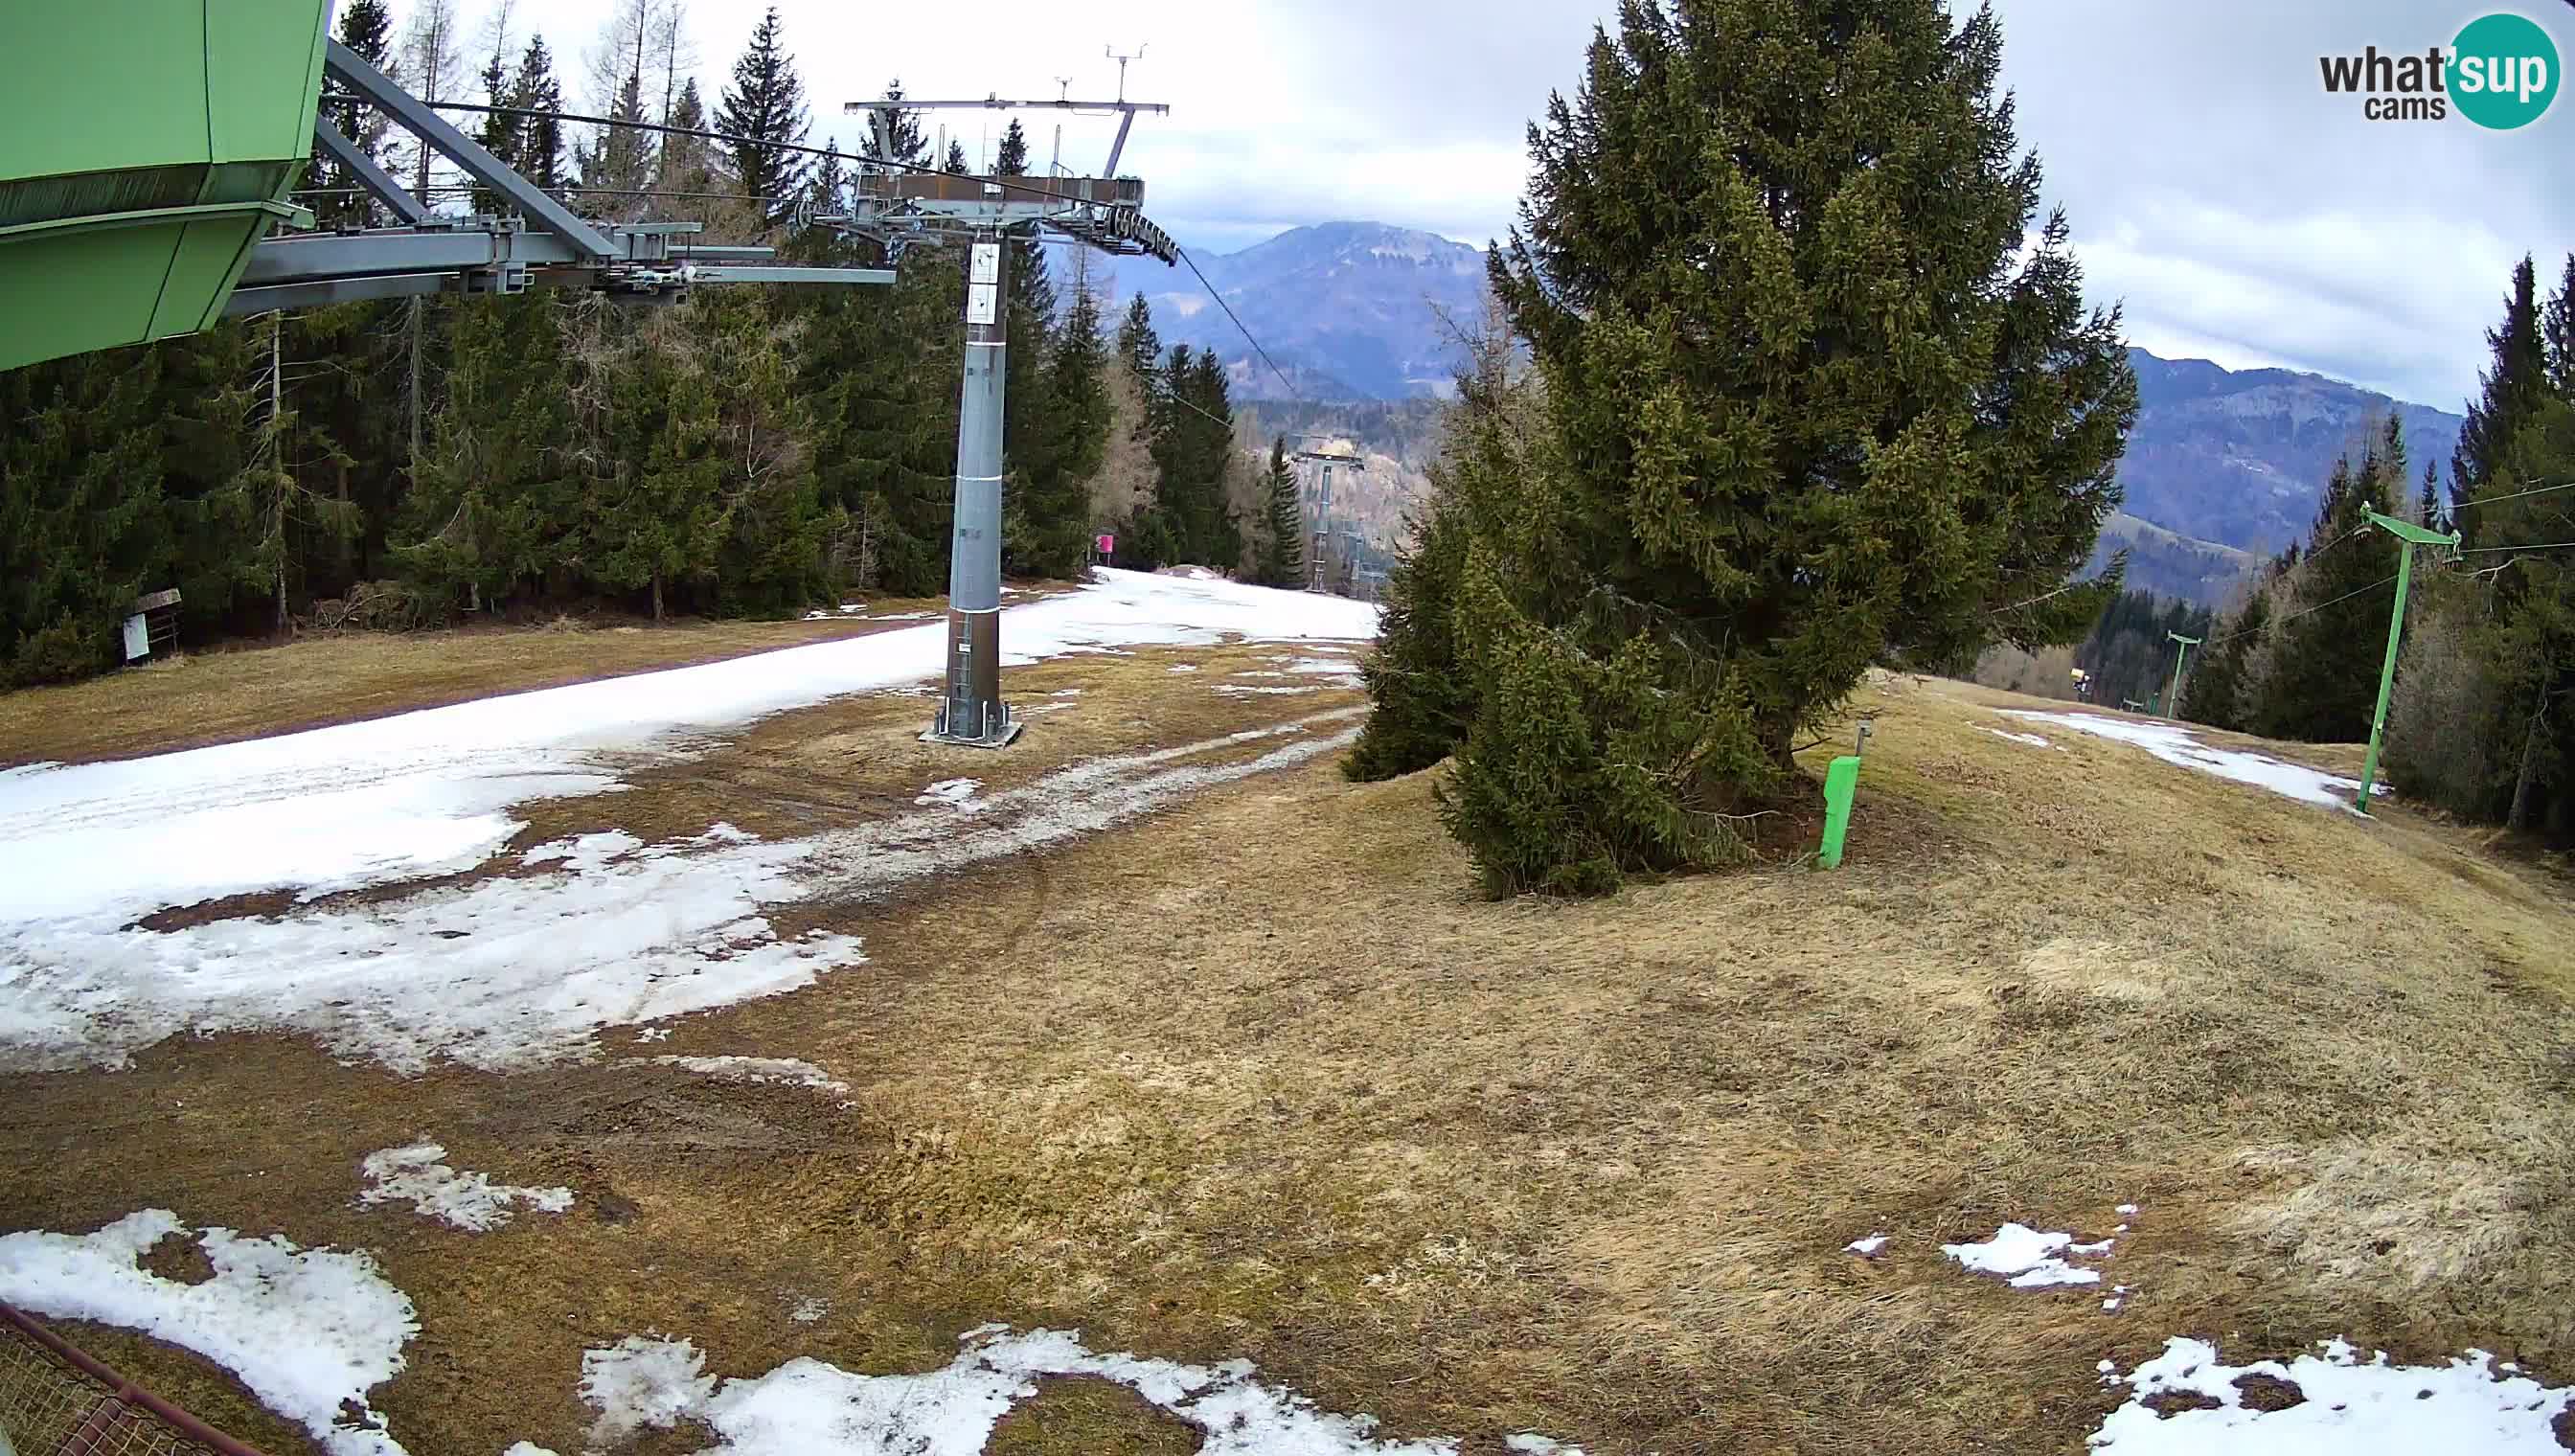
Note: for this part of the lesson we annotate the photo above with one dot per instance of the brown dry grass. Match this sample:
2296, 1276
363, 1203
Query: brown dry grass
1262, 1078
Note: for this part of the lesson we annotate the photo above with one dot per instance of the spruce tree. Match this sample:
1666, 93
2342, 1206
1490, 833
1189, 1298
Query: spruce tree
2557, 330
955, 166
764, 109
1137, 344
2427, 507
2511, 390
367, 28
538, 143
1283, 558
1824, 392
906, 144
84, 528
2529, 640
1012, 158
2215, 691
2323, 677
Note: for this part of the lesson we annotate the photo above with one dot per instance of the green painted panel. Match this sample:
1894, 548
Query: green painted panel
90, 88
209, 257
263, 75
88, 291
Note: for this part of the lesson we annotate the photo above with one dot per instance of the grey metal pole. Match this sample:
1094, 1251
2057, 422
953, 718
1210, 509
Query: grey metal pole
973, 713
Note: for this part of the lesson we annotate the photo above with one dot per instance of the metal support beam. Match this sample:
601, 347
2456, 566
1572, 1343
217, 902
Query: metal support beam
379, 90
377, 181
742, 272
318, 291
973, 713
1117, 148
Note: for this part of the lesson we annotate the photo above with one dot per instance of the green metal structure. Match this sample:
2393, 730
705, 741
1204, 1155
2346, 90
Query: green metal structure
148, 144
2408, 535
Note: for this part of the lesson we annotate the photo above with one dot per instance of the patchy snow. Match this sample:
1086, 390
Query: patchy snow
642, 1382
2351, 1408
2124, 1209
1066, 693
1867, 1247
957, 792
309, 1331
1180, 668
87, 849
653, 1033
758, 1069
1236, 690
528, 969
2033, 739
528, 1448
496, 973
809, 1309
2175, 744
2026, 1257
585, 854
419, 1175
809, 1408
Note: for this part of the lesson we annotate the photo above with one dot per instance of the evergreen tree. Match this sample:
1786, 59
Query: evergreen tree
2427, 507
82, 526
905, 143
620, 164
2215, 692
2529, 641
539, 144
497, 498
1012, 158
955, 164
2557, 326
499, 132
1193, 449
686, 164
1137, 344
367, 28
2510, 390
1821, 396
764, 107
1282, 557
2322, 683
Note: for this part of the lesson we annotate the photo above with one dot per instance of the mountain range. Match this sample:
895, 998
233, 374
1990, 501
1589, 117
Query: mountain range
2224, 467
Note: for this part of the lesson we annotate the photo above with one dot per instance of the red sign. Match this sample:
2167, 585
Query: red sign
1108, 544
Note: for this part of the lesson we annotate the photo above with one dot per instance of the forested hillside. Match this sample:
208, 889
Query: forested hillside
753, 450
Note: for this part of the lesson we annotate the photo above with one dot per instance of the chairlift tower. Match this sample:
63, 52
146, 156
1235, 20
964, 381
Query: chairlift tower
902, 209
1319, 535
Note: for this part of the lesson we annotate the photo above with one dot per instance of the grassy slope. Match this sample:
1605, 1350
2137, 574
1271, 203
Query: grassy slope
1259, 1079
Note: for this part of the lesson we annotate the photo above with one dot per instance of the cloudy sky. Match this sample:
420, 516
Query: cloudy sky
2239, 212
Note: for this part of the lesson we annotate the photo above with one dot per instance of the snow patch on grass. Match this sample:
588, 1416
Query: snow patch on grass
2175, 744
87, 849
528, 969
2033, 739
957, 792
2026, 1257
643, 1382
419, 1175
1867, 1247
309, 1331
758, 1069
2351, 1408
806, 1407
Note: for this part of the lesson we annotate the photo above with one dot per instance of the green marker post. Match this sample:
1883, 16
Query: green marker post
2172, 699
2408, 535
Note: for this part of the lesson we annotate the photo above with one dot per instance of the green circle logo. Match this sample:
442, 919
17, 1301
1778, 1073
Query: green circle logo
2503, 71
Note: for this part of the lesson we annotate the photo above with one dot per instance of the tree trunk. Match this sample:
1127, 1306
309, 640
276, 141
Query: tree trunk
2527, 781
657, 597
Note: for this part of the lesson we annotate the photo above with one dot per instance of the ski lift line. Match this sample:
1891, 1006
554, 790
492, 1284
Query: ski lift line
1292, 391
2517, 494
1008, 183
2531, 546
1192, 409
2303, 610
